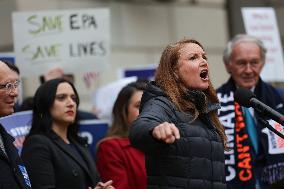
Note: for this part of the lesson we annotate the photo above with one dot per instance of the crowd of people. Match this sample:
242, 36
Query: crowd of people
174, 132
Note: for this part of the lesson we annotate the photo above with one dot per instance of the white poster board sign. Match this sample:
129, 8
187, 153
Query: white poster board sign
104, 97
261, 22
75, 40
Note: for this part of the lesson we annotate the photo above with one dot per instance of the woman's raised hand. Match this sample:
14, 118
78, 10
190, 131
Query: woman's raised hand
166, 132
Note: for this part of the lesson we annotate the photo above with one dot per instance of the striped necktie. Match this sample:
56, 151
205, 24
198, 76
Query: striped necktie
251, 128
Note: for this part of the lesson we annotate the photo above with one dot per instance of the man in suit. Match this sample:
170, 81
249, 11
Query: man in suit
13, 174
256, 155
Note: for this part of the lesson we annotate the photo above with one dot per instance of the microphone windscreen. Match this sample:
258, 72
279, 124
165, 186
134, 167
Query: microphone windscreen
243, 96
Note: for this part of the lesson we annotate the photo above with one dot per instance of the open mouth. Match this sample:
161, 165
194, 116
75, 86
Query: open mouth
204, 74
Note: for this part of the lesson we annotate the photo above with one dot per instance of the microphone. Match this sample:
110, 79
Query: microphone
248, 99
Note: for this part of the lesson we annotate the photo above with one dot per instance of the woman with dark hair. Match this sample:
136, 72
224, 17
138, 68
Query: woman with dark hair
55, 156
116, 158
178, 128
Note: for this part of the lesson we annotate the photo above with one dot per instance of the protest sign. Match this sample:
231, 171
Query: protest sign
261, 22
74, 40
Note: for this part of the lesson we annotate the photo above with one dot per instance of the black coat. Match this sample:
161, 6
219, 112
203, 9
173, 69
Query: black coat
12, 172
195, 161
52, 164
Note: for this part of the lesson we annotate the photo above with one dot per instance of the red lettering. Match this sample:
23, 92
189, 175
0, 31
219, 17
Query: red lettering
245, 175
240, 119
237, 110
243, 155
240, 126
240, 139
245, 163
243, 149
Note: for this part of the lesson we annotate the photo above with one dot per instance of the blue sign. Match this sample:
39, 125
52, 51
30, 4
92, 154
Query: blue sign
94, 130
142, 73
8, 57
19, 124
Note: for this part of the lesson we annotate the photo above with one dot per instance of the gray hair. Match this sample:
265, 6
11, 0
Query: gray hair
239, 39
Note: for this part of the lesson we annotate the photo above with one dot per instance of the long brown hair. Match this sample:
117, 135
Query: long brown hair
120, 125
167, 79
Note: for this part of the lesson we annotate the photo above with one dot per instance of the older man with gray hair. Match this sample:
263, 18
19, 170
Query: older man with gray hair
13, 174
256, 155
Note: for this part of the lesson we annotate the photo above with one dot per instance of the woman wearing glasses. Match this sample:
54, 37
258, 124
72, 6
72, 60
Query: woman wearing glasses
55, 156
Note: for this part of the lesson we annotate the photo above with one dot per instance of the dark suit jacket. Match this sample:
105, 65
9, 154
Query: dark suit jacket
52, 164
12, 171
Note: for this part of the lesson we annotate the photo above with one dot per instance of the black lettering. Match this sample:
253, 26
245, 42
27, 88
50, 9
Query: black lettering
73, 21
102, 48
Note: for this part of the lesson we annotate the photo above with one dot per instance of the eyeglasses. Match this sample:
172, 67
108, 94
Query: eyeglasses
10, 86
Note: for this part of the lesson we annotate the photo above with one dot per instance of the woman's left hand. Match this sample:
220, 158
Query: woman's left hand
106, 185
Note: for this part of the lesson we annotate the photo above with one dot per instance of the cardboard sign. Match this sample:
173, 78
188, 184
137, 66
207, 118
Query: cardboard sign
75, 40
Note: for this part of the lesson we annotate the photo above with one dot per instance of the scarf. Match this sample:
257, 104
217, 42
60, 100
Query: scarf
243, 165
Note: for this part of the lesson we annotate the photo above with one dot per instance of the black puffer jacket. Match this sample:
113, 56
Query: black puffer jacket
195, 161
